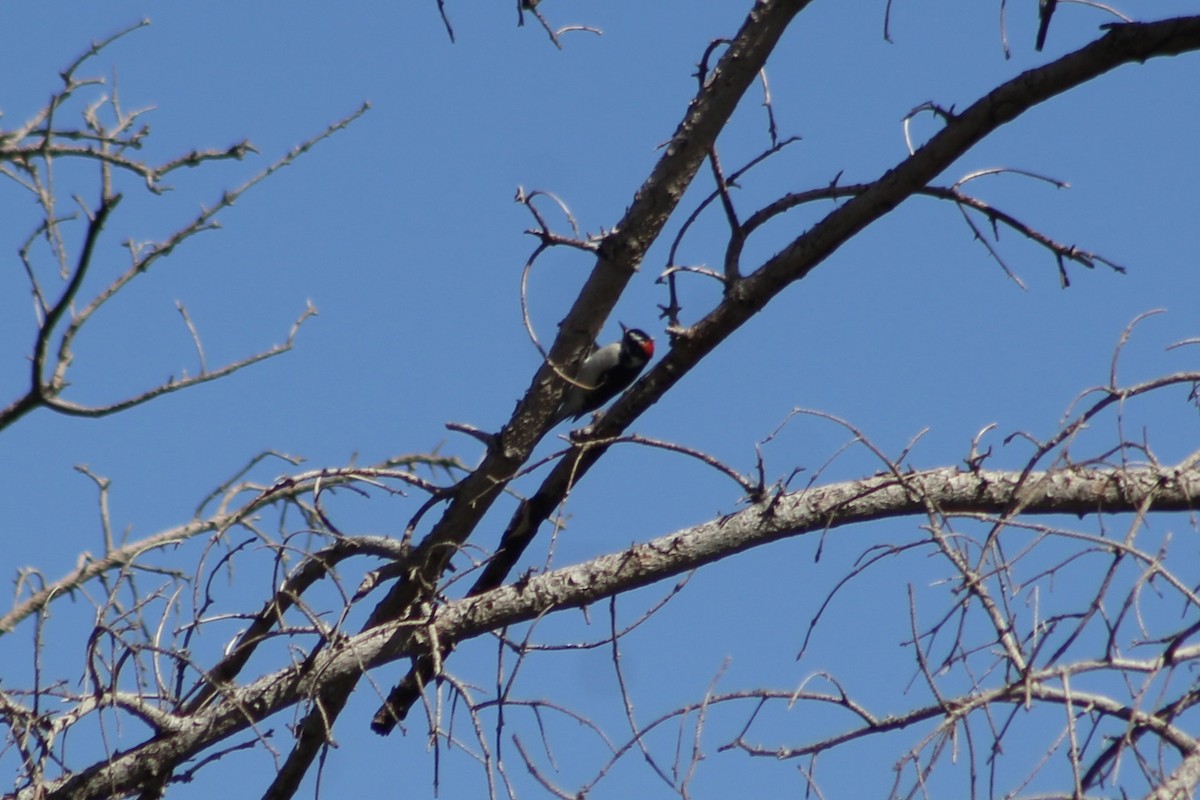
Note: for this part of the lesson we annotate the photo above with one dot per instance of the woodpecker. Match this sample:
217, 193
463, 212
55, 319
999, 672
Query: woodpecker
606, 372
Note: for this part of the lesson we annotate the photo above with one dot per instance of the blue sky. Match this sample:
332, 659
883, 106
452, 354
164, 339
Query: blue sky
402, 232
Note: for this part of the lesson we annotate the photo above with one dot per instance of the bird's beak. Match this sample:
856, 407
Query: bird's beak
624, 327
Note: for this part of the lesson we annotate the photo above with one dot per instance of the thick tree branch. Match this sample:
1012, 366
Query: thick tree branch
952, 491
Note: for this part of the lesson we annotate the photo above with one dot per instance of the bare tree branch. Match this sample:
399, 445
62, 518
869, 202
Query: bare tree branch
1079, 491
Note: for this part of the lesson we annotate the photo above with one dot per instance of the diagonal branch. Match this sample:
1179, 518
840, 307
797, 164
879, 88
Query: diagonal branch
41, 391
816, 510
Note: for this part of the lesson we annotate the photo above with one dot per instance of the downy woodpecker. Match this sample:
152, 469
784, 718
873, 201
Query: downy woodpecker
606, 372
